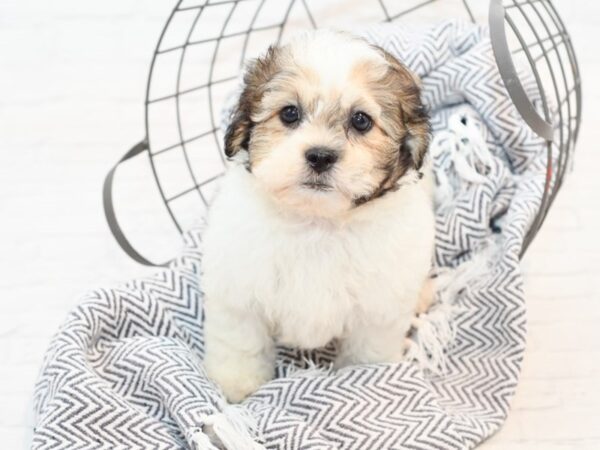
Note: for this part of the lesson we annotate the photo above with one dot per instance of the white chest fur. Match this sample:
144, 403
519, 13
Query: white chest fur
310, 282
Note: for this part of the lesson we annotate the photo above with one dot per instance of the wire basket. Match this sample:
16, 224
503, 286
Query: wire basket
204, 44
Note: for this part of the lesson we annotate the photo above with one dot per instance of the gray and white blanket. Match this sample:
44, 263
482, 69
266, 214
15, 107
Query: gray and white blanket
125, 369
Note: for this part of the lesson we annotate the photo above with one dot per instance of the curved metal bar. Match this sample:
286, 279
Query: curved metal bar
469, 12
564, 148
572, 136
556, 185
313, 22
178, 105
546, 193
574, 66
210, 80
507, 70
109, 209
285, 19
554, 85
388, 18
250, 29
147, 121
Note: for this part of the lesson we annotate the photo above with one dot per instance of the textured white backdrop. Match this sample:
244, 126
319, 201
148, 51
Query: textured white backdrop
72, 81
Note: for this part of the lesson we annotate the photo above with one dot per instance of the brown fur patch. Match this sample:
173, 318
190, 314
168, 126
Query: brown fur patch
415, 118
403, 118
259, 72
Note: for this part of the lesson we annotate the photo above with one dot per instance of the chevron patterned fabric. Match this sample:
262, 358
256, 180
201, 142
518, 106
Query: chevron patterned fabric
125, 369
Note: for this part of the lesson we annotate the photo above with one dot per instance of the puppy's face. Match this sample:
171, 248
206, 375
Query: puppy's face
329, 123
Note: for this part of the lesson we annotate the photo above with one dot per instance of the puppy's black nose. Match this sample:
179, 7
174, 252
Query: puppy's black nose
321, 159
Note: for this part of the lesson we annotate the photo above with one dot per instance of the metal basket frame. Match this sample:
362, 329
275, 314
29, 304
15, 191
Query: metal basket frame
558, 125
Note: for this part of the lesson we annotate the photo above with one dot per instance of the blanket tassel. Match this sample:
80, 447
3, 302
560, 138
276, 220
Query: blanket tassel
232, 429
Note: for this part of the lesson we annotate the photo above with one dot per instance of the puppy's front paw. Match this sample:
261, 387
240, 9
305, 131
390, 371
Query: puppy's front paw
240, 375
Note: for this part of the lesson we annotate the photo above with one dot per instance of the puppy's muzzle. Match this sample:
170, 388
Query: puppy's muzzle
321, 159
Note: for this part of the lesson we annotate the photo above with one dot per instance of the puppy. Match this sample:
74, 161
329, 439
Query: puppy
323, 226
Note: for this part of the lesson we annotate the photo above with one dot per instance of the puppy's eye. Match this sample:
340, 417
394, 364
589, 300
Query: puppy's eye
361, 121
289, 115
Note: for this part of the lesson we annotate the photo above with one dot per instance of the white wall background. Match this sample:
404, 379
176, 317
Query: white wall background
72, 83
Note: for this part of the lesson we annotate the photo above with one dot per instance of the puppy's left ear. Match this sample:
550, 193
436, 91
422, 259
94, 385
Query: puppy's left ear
414, 114
258, 73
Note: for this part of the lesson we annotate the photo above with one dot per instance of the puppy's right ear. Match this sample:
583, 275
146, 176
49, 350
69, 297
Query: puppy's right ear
240, 127
258, 73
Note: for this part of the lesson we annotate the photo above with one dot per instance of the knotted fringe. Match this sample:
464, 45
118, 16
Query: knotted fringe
232, 429
434, 331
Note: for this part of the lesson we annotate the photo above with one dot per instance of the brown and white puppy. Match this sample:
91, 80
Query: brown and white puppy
323, 226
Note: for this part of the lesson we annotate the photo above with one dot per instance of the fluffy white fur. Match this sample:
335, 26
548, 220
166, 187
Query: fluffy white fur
268, 276
277, 272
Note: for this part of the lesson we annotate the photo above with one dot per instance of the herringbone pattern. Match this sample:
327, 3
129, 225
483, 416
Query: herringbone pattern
125, 370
